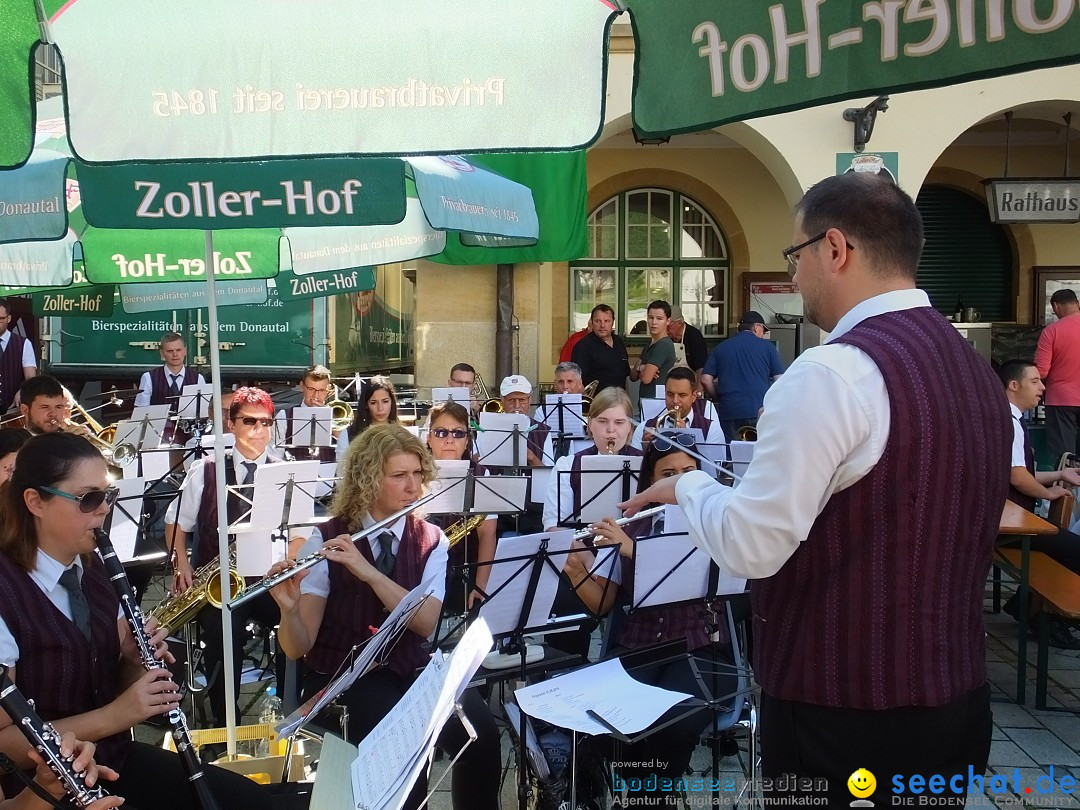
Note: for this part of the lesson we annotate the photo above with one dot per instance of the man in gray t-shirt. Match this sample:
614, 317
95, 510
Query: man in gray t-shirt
658, 357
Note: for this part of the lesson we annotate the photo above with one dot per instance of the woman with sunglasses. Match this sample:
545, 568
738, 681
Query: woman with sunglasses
448, 440
60, 627
666, 456
376, 404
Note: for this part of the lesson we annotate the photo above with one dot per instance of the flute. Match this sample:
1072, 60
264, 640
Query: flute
204, 800
310, 561
585, 534
46, 741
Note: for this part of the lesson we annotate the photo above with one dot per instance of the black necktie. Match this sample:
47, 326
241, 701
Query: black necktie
174, 385
385, 561
249, 477
80, 608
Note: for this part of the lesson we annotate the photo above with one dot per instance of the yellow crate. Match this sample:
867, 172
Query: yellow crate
264, 770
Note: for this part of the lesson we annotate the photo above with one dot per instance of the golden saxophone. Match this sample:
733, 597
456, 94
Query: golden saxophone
176, 611
459, 529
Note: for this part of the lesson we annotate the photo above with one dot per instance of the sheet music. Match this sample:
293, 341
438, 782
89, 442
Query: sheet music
496, 439
508, 582
124, 528
128, 430
450, 486
602, 486
606, 689
256, 548
303, 435
541, 479
652, 408
742, 453
155, 462
196, 402
573, 420
391, 756
495, 494
461, 396
389, 631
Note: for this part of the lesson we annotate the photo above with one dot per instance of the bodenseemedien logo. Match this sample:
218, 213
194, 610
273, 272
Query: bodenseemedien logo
862, 785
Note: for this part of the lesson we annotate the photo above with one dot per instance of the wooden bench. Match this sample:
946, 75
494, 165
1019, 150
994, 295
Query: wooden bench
1057, 587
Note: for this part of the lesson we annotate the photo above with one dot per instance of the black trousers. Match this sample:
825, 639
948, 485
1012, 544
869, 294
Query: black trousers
1063, 547
474, 778
1061, 429
825, 743
262, 609
155, 778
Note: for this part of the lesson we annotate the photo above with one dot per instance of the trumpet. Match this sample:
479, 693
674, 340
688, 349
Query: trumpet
747, 433
670, 416
492, 406
310, 561
119, 456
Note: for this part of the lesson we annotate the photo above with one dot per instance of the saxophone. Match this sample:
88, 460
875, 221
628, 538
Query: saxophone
459, 530
177, 610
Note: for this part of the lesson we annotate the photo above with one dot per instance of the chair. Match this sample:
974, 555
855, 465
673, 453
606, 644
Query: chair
740, 718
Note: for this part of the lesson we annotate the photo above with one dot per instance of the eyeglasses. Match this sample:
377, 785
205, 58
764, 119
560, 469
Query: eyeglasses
668, 441
88, 501
457, 433
792, 253
251, 421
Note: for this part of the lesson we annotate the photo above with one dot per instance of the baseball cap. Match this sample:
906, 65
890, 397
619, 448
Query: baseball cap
515, 384
751, 317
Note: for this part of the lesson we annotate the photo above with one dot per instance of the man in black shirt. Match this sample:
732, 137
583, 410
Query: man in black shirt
601, 353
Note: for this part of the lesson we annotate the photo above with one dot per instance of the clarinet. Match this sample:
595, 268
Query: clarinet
133, 613
46, 741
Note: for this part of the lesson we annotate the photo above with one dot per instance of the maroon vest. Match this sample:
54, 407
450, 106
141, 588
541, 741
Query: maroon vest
353, 610
298, 449
11, 370
58, 668
536, 437
701, 422
1015, 495
206, 548
575, 470
881, 606
655, 625
159, 386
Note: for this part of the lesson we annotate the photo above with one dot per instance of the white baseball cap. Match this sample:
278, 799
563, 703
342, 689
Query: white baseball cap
515, 384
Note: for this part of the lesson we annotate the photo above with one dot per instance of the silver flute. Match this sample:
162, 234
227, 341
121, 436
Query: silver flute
310, 561
585, 534
46, 741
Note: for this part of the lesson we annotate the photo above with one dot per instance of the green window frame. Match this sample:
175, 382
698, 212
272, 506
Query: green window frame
634, 260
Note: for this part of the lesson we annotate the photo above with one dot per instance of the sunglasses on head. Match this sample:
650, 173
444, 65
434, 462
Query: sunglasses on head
88, 501
457, 433
664, 442
251, 421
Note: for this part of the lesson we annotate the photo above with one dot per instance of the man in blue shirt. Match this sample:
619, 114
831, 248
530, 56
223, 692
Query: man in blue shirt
739, 372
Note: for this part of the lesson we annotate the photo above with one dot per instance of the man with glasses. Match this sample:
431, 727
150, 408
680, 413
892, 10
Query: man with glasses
463, 375
17, 361
315, 386
868, 517
252, 415
739, 372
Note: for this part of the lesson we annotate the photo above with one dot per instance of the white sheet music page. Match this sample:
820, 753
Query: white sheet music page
450, 486
602, 485
496, 439
508, 582
391, 755
603, 688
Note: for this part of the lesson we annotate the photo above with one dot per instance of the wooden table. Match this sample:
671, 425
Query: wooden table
1018, 524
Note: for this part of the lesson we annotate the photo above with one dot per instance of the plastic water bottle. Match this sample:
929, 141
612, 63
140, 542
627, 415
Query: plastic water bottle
269, 713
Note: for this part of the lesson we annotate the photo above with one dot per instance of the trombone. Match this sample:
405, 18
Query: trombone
100, 436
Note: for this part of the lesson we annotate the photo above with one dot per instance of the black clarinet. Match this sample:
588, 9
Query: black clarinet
46, 741
133, 613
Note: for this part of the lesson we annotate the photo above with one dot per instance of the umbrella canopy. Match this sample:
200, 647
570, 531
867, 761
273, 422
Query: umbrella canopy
19, 33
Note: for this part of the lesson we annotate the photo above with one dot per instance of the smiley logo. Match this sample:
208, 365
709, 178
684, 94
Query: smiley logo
862, 783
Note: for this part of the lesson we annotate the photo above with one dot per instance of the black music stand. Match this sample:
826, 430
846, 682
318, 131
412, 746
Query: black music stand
566, 422
621, 487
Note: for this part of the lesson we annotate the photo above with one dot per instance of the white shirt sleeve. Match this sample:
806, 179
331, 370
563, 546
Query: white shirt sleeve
825, 426
559, 498
341, 447
639, 434
28, 359
142, 399
1019, 458
191, 492
200, 380
9, 650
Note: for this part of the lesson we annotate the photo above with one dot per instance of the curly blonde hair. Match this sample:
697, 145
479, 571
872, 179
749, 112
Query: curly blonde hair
364, 465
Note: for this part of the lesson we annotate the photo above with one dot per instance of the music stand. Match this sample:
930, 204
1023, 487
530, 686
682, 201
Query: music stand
501, 439
520, 593
606, 481
311, 427
563, 414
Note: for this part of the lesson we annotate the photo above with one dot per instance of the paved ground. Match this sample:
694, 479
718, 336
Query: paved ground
1029, 746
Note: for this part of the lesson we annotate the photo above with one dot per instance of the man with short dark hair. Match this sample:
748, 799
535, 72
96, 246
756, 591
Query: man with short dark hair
867, 519
601, 354
44, 405
680, 396
1058, 360
462, 375
17, 362
739, 372
658, 358
315, 386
